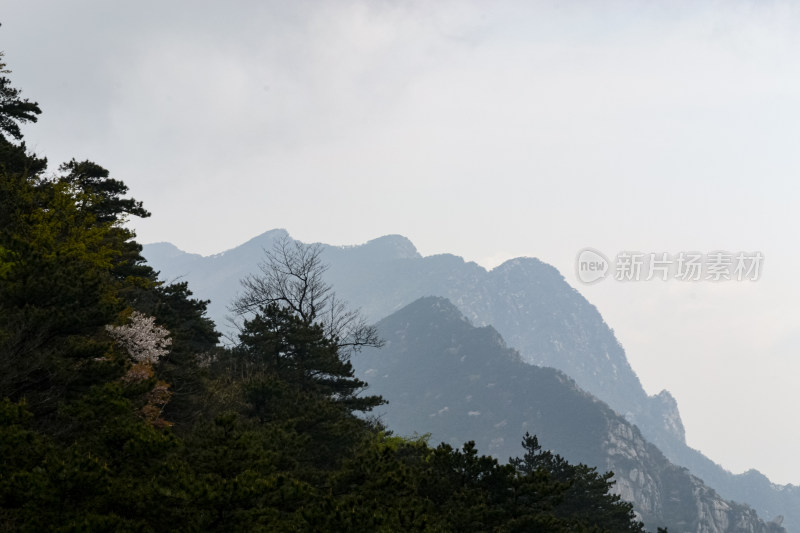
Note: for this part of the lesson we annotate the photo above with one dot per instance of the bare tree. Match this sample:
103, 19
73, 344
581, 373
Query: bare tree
292, 276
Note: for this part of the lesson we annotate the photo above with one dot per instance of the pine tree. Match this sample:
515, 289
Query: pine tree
279, 344
587, 499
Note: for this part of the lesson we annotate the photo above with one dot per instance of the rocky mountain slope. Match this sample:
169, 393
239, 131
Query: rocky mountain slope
457, 382
528, 302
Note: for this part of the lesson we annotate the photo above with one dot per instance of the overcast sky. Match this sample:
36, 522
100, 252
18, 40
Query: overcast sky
485, 129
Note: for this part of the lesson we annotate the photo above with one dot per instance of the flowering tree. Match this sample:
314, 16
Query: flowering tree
144, 341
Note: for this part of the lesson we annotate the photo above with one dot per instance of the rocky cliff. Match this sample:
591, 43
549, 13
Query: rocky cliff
458, 382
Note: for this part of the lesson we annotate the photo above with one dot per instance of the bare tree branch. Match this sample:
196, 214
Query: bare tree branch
292, 276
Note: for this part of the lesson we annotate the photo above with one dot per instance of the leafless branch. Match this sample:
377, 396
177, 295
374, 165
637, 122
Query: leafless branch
292, 276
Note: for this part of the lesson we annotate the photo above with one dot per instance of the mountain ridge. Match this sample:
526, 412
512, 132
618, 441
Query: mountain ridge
528, 302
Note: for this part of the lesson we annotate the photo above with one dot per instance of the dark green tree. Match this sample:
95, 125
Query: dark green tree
280, 344
588, 499
101, 195
14, 110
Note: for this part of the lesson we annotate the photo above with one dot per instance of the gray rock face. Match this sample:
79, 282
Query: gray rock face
666, 410
457, 382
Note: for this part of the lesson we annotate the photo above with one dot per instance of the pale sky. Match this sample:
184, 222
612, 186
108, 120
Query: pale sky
485, 129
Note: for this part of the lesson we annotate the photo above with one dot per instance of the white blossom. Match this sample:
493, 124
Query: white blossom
144, 341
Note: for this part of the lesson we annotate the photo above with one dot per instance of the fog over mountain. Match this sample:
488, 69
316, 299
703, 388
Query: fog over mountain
514, 134
525, 300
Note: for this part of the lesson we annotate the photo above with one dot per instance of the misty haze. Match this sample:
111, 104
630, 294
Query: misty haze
399, 266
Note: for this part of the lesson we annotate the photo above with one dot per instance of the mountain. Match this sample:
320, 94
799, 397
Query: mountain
443, 376
551, 324
527, 301
524, 299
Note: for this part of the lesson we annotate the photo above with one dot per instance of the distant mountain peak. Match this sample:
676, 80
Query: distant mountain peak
266, 239
528, 265
669, 415
432, 310
166, 249
160, 253
393, 247
440, 305
435, 314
